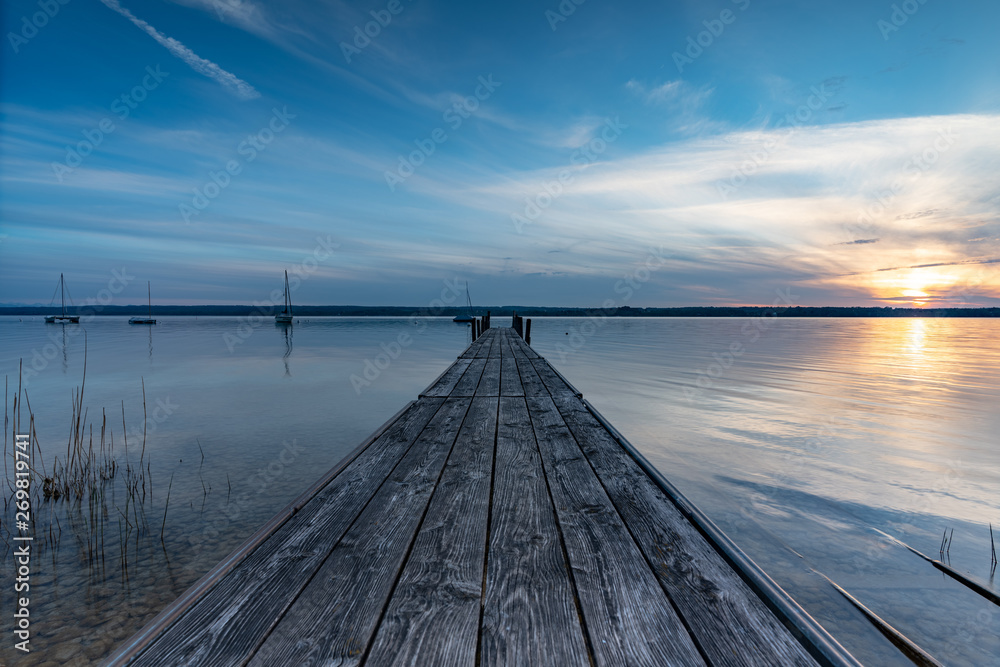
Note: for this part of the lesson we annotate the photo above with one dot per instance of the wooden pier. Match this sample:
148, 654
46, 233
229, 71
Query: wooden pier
497, 519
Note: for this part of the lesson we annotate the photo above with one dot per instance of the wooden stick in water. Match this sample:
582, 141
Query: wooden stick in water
165, 507
908, 647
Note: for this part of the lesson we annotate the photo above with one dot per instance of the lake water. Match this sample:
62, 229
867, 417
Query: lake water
800, 438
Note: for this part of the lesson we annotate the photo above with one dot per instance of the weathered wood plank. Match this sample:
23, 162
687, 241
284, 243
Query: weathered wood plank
555, 384
529, 613
530, 381
470, 352
234, 616
515, 349
444, 385
433, 615
522, 347
496, 350
335, 617
489, 384
627, 616
505, 348
466, 386
510, 379
512, 339
489, 339
728, 621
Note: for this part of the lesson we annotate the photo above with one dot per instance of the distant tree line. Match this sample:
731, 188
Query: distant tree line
526, 311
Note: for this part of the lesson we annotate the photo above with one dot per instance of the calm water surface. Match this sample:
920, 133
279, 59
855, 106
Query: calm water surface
801, 438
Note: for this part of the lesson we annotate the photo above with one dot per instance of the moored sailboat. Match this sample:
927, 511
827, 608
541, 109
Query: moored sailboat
149, 305
468, 302
64, 318
285, 316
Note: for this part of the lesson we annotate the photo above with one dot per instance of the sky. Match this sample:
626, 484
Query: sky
575, 153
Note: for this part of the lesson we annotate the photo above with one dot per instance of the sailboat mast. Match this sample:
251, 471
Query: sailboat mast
288, 298
62, 292
149, 301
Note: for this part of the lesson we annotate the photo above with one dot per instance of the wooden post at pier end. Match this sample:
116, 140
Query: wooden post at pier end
517, 324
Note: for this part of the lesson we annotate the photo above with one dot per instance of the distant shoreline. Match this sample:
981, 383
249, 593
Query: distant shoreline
506, 311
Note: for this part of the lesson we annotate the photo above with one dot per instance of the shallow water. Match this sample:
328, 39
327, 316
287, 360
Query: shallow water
270, 408
801, 438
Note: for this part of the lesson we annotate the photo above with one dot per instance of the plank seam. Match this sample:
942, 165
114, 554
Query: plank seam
452, 393
569, 384
652, 568
413, 539
274, 623
437, 379
486, 549
562, 541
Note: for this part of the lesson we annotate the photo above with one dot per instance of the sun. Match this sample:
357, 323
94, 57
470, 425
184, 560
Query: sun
917, 283
918, 286
919, 297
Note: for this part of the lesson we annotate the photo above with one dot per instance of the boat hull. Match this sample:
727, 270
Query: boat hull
282, 319
141, 320
67, 319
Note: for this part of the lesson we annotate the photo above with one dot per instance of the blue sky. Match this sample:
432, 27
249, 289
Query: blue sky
841, 153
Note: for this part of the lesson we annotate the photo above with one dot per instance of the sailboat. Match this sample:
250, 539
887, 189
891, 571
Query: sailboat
149, 304
285, 316
468, 301
64, 318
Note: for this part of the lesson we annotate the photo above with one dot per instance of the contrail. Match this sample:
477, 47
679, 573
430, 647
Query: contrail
240, 87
